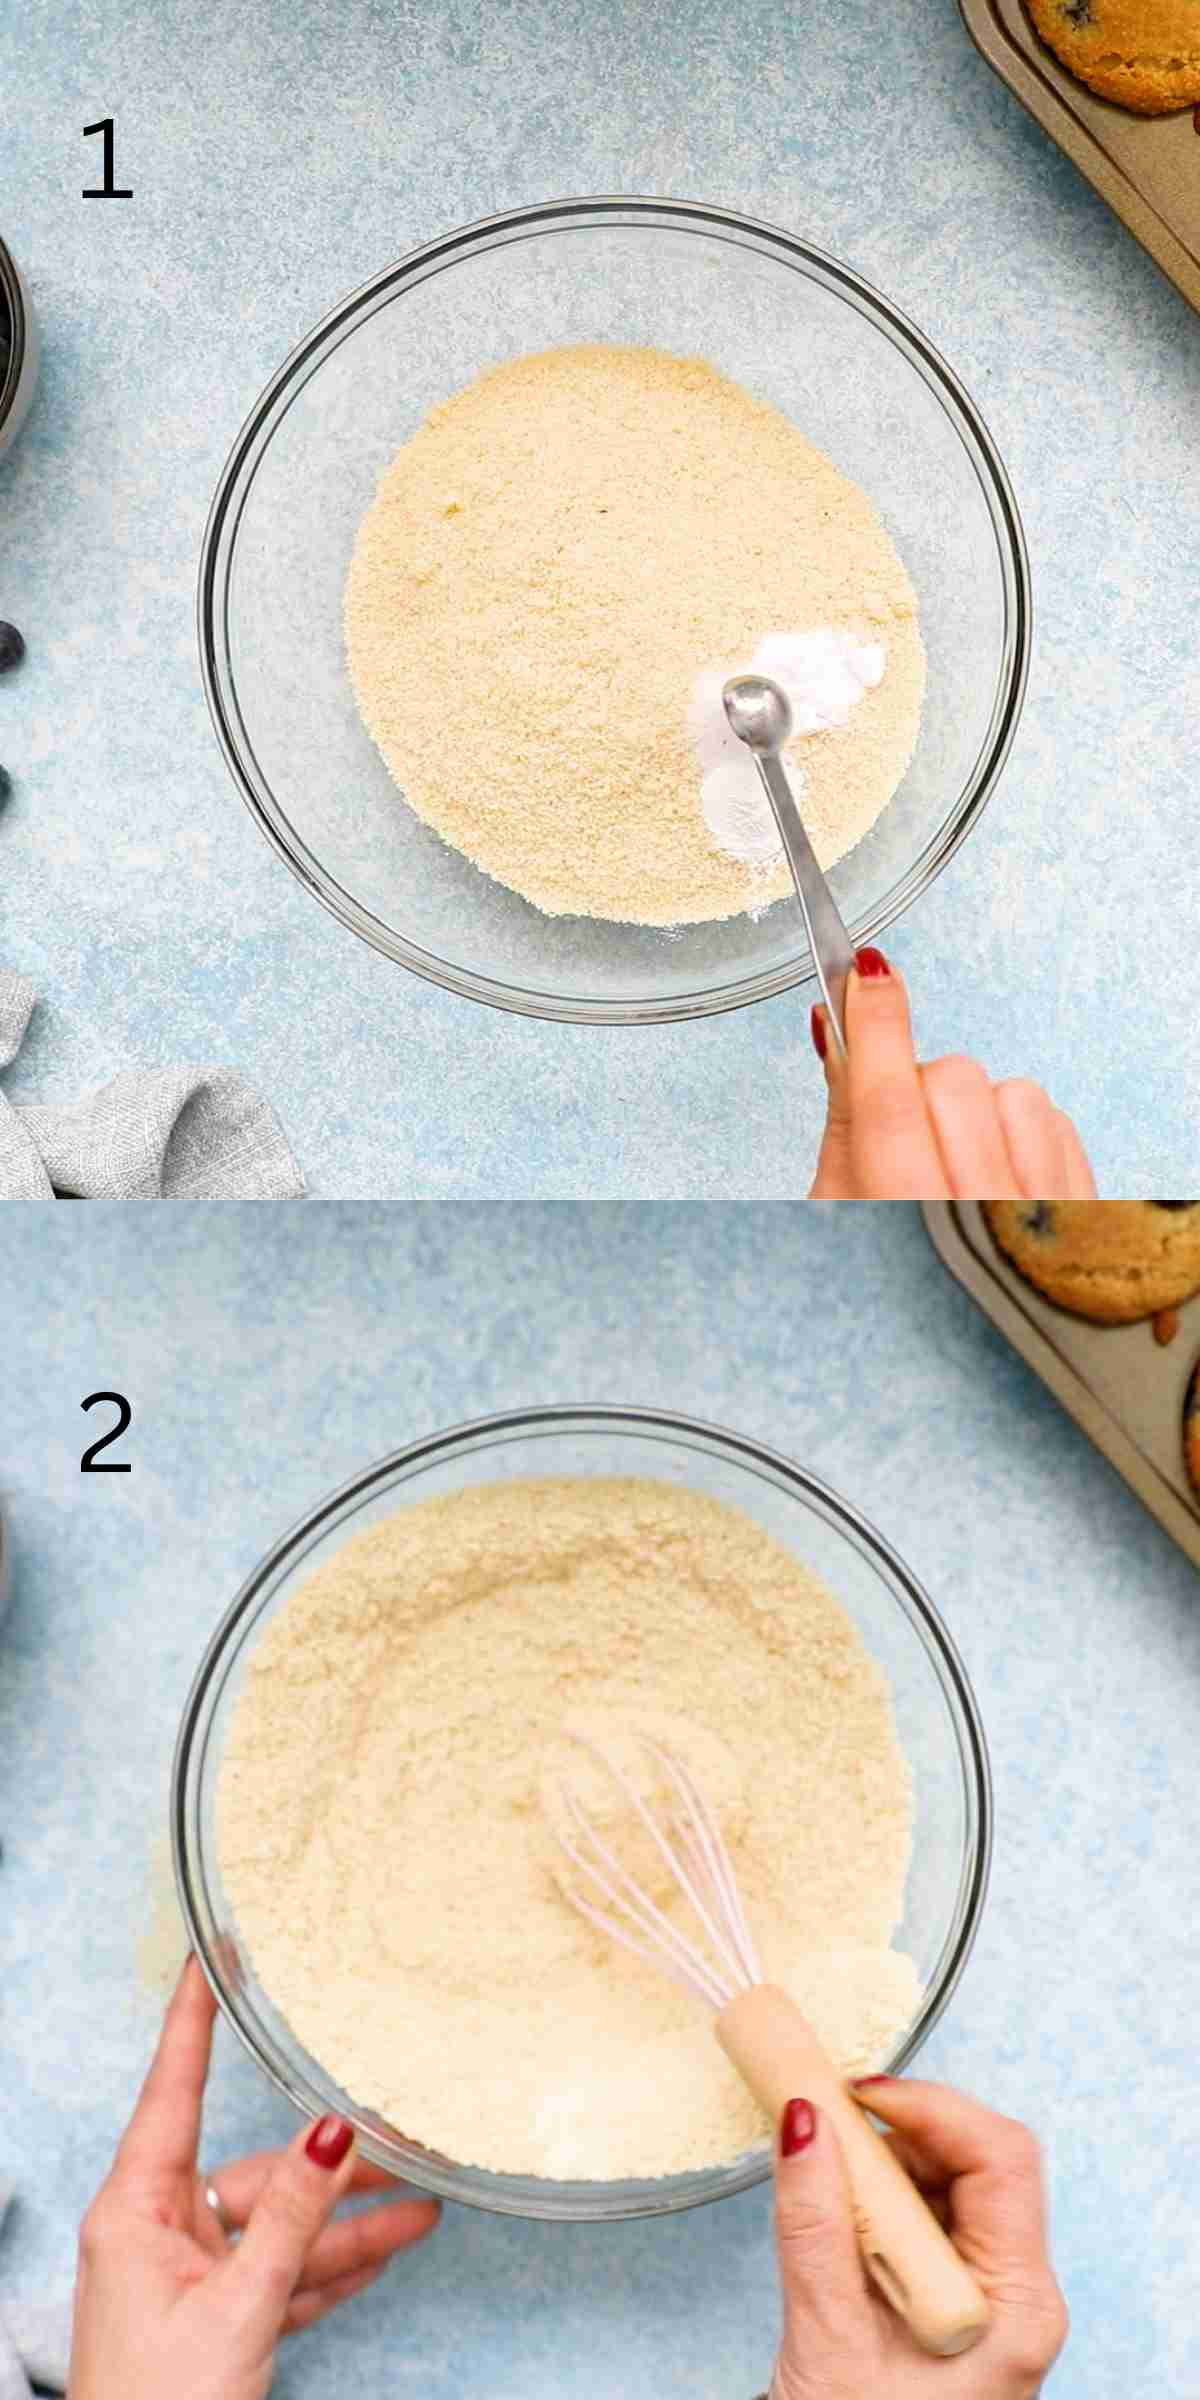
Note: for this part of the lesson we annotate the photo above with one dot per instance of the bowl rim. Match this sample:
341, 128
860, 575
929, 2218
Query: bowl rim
236, 480
13, 293
535, 2197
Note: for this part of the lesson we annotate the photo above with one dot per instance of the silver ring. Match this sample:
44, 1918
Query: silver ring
214, 2201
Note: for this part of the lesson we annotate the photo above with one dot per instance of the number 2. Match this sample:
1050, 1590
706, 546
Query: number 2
90, 1463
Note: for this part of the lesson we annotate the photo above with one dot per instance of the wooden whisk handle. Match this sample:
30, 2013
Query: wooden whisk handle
914, 2264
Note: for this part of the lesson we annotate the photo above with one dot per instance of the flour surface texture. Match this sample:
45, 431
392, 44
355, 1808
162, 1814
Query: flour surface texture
550, 562
386, 1800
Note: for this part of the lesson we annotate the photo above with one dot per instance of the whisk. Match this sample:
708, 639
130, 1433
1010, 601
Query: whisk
764, 2034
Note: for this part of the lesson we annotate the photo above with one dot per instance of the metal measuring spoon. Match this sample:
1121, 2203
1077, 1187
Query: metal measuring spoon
760, 715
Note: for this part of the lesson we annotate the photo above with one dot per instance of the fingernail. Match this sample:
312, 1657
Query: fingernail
328, 2142
798, 2127
860, 2083
871, 964
817, 1023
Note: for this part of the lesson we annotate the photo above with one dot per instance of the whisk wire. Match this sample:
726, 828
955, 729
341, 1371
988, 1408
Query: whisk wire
696, 1890
704, 1833
700, 1868
690, 1979
664, 1945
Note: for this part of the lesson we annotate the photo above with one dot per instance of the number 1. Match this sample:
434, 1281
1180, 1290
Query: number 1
107, 190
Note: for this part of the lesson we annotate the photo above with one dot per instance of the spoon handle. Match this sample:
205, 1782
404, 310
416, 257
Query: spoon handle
833, 952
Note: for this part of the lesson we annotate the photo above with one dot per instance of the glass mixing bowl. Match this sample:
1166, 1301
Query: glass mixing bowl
18, 350
794, 328
936, 1718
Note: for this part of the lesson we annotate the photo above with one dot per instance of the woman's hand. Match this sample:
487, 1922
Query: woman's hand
900, 1131
165, 2306
982, 2176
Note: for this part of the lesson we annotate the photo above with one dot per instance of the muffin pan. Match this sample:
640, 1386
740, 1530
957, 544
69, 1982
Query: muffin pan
1121, 1386
1147, 168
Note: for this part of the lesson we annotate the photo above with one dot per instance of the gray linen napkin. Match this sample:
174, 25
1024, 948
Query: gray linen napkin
156, 1133
35, 2337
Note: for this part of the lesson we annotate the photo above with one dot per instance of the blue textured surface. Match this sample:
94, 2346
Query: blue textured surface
268, 1354
279, 156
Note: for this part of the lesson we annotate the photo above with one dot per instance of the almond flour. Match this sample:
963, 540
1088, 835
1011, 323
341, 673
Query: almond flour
383, 1837
549, 563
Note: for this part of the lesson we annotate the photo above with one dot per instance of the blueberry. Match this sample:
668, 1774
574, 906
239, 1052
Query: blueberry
5, 785
1038, 1217
12, 647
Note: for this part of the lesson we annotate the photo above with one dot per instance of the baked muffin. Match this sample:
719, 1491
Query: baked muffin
1191, 1430
1112, 1260
1145, 54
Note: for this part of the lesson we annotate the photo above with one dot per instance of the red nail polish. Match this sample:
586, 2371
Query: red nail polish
871, 964
862, 2083
798, 2127
328, 2142
817, 1023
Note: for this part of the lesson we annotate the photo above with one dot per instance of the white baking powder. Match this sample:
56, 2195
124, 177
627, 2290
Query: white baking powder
824, 674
